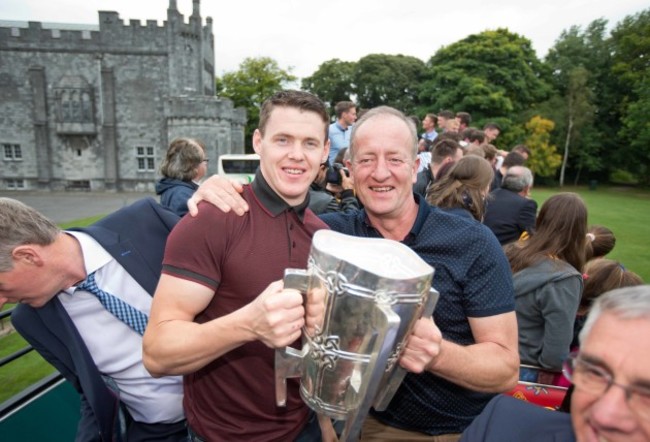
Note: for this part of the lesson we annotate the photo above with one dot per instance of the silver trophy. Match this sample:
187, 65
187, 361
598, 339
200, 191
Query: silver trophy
362, 299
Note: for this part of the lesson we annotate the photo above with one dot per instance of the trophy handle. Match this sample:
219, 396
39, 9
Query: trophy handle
395, 380
288, 360
387, 327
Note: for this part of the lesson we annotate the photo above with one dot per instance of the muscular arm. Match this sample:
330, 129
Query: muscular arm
174, 344
489, 365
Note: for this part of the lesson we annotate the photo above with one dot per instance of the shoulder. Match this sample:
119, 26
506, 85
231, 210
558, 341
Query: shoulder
506, 418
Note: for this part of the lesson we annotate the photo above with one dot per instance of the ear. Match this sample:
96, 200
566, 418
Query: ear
416, 166
27, 254
326, 150
257, 141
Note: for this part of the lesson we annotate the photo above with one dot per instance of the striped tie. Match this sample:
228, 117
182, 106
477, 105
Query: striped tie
126, 313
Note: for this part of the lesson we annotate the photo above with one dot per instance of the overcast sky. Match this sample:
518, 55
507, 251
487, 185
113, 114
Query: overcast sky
304, 33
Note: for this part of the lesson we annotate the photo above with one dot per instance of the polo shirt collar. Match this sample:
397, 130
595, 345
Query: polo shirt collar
272, 201
420, 219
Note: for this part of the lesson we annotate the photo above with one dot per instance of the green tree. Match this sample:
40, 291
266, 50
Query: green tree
333, 81
631, 70
390, 80
580, 63
579, 111
494, 75
248, 87
544, 160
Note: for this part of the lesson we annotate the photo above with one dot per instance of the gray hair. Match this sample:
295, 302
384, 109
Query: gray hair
517, 178
626, 303
20, 225
182, 159
382, 111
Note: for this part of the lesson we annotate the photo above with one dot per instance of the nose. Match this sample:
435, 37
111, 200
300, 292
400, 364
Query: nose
381, 171
295, 152
611, 411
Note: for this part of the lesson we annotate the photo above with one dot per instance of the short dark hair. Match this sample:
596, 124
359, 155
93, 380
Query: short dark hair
464, 118
521, 148
446, 114
443, 149
343, 106
301, 100
513, 159
432, 117
473, 134
492, 126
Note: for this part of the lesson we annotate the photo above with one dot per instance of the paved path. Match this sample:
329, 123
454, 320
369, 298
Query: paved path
69, 206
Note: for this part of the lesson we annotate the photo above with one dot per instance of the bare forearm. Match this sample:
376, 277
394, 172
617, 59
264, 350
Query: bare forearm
485, 367
177, 347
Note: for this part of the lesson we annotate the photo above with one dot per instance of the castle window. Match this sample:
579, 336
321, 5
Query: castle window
12, 152
145, 157
14, 184
75, 107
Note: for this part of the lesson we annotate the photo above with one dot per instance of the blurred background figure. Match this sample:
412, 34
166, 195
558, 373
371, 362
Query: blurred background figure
600, 276
184, 166
464, 188
510, 211
601, 242
547, 276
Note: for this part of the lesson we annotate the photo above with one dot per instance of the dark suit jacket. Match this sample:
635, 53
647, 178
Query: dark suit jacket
509, 419
135, 236
509, 214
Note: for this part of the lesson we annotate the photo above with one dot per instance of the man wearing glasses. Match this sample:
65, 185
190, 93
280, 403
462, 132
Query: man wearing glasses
611, 400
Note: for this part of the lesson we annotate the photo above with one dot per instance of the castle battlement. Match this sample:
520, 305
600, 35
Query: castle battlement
111, 32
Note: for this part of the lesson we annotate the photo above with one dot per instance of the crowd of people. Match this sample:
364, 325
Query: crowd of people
167, 326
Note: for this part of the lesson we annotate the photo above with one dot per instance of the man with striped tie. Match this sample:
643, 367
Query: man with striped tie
84, 297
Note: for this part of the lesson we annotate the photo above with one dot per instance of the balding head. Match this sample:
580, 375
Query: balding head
518, 179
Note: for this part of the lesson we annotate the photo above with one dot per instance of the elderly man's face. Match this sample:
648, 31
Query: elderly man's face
620, 347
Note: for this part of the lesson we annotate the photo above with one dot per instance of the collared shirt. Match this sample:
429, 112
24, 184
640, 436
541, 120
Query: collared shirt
339, 138
430, 135
115, 348
233, 397
474, 280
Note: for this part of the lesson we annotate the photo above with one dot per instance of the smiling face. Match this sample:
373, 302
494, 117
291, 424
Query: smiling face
613, 345
291, 150
384, 166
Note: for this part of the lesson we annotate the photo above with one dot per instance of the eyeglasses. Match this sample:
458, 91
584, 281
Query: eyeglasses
207, 160
593, 379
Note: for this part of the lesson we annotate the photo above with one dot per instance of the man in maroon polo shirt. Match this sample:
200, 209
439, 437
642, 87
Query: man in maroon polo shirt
217, 315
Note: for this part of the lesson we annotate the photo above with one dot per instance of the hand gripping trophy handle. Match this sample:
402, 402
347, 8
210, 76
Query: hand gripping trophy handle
288, 360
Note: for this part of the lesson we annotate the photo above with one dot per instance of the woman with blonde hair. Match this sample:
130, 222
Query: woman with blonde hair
464, 189
547, 276
183, 167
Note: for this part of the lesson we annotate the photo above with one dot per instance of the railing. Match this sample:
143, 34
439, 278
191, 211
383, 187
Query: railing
47, 410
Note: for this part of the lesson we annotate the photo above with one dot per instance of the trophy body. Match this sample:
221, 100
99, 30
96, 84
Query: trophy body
362, 299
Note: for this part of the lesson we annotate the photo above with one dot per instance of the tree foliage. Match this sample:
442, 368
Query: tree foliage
494, 75
332, 82
390, 80
248, 87
544, 160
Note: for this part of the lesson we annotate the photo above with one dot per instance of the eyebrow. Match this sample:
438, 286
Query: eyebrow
595, 360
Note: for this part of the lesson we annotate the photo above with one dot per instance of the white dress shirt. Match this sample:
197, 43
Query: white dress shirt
115, 347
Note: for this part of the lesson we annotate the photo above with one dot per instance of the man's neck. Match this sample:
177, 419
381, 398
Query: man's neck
343, 124
396, 227
70, 259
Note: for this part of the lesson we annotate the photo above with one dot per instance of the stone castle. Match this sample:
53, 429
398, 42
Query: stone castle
94, 107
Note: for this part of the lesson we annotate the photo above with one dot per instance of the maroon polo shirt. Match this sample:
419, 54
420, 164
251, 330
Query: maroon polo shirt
233, 397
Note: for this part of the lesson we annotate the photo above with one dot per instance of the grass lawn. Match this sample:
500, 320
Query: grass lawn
626, 211
22, 372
